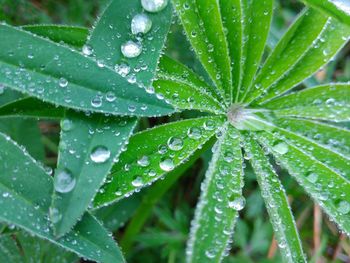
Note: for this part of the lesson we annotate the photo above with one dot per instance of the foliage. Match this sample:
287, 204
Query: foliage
246, 96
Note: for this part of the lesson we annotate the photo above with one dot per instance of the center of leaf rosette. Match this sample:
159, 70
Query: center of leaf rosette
245, 119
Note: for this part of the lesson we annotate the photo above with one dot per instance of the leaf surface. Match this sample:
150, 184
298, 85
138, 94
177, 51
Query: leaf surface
167, 147
25, 202
220, 200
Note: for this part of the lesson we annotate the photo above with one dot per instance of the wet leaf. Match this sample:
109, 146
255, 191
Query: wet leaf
25, 202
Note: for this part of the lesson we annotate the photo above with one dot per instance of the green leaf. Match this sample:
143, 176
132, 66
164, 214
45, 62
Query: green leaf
325, 185
41, 72
184, 89
220, 200
167, 147
113, 29
202, 23
32, 108
25, 202
276, 203
329, 102
335, 138
304, 49
88, 147
336, 8
9, 251
256, 12
71, 35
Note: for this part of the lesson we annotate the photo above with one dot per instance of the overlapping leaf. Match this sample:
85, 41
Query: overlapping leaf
220, 199
167, 147
276, 203
25, 202
62, 76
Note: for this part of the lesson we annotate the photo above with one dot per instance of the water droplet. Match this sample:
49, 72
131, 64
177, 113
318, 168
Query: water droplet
209, 125
343, 207
175, 144
64, 181
87, 50
63, 82
67, 125
237, 204
143, 161
55, 215
110, 96
194, 133
209, 254
167, 165
281, 147
131, 49
122, 69
137, 182
141, 23
228, 157
96, 102
100, 154
312, 177
154, 5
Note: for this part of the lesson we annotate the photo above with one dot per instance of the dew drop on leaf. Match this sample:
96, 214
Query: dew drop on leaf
67, 125
237, 204
87, 50
64, 181
122, 69
154, 5
141, 23
137, 182
100, 154
143, 161
194, 133
131, 49
96, 102
312, 177
55, 215
167, 165
281, 147
343, 207
110, 96
175, 143
63, 82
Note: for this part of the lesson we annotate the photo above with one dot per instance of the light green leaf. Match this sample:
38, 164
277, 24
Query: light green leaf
184, 89
71, 35
332, 137
325, 185
202, 23
113, 30
88, 147
62, 76
25, 202
337, 8
329, 102
220, 200
257, 17
276, 203
31, 108
167, 147
295, 59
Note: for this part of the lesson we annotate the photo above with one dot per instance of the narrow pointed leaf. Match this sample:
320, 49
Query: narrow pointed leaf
65, 77
336, 8
332, 137
32, 108
202, 23
167, 147
276, 203
113, 29
290, 49
329, 102
220, 200
321, 49
88, 147
184, 89
71, 35
25, 202
256, 12
327, 187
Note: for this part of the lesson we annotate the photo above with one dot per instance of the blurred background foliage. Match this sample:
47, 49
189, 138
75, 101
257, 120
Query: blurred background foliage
152, 226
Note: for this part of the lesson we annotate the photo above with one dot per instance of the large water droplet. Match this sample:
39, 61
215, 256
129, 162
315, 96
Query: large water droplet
343, 207
143, 161
87, 50
67, 125
281, 148
312, 177
131, 49
122, 69
141, 23
167, 165
63, 82
194, 133
100, 154
154, 5
175, 144
64, 181
96, 102
237, 204
137, 182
